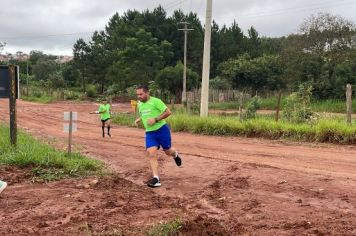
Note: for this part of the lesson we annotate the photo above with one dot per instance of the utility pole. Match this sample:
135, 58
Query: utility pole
206, 62
27, 77
184, 93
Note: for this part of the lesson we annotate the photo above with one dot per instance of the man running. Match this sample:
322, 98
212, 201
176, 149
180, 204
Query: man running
152, 113
105, 115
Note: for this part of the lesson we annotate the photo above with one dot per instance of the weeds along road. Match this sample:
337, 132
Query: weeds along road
266, 186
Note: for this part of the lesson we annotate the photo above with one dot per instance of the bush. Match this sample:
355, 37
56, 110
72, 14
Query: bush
91, 91
114, 90
71, 95
252, 108
131, 91
297, 108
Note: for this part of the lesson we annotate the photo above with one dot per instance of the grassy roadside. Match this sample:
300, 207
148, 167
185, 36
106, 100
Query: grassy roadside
332, 106
42, 99
47, 163
324, 130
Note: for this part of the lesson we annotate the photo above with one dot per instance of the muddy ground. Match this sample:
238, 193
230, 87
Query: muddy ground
226, 186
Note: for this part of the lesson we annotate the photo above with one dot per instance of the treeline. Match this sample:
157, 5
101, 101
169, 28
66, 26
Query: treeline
147, 47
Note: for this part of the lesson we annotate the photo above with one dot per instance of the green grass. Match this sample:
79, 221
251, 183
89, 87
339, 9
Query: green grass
335, 106
41, 99
165, 229
266, 104
332, 106
224, 106
47, 163
325, 130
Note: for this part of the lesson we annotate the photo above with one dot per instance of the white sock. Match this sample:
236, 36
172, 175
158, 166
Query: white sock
175, 154
156, 177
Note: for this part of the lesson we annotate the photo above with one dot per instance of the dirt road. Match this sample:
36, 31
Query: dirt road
226, 185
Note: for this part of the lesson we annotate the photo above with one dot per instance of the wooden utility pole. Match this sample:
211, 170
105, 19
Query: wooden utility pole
184, 93
204, 102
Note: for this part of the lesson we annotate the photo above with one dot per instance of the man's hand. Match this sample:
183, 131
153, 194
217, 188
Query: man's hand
137, 121
151, 121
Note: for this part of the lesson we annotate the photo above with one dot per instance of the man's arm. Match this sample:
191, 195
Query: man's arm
137, 121
164, 115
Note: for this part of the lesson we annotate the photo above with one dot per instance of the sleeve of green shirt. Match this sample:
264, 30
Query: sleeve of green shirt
160, 105
101, 108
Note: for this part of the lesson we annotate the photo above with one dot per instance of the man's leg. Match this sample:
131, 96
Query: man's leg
103, 127
108, 122
152, 155
173, 152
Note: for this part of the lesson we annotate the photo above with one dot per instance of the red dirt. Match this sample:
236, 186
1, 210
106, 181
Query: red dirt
226, 186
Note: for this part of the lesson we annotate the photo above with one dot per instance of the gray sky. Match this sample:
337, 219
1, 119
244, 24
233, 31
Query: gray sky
53, 26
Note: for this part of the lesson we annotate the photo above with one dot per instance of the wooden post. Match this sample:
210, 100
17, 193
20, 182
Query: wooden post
349, 102
70, 133
13, 118
240, 113
278, 105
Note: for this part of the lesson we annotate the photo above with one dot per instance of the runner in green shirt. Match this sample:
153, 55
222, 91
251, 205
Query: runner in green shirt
105, 115
152, 113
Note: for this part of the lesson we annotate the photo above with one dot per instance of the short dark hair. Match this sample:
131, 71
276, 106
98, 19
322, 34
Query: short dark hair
144, 88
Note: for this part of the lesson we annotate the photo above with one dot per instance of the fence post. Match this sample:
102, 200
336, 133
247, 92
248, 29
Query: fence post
349, 102
70, 133
12, 104
278, 105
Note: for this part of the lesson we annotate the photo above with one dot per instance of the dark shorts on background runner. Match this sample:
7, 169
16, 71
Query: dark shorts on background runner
159, 138
105, 120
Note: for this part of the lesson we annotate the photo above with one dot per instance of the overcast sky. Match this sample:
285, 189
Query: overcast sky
53, 26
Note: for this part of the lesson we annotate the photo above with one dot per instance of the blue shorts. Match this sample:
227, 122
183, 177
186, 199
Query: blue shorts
158, 138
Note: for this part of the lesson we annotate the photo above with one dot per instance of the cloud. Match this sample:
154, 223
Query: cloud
53, 26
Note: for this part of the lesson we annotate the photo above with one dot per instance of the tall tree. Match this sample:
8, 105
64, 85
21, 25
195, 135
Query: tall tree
325, 42
140, 60
81, 52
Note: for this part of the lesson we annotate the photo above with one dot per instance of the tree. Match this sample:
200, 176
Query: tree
70, 74
328, 36
261, 73
36, 55
316, 54
43, 69
56, 80
253, 43
98, 60
140, 60
81, 52
170, 80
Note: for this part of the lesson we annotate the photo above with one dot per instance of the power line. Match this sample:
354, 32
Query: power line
174, 3
289, 10
46, 36
177, 3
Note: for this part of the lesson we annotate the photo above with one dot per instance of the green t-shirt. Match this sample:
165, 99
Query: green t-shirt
105, 108
151, 109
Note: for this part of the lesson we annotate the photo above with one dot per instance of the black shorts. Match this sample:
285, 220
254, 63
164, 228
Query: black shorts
105, 120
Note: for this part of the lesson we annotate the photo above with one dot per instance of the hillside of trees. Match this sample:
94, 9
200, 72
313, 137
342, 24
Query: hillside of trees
147, 48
